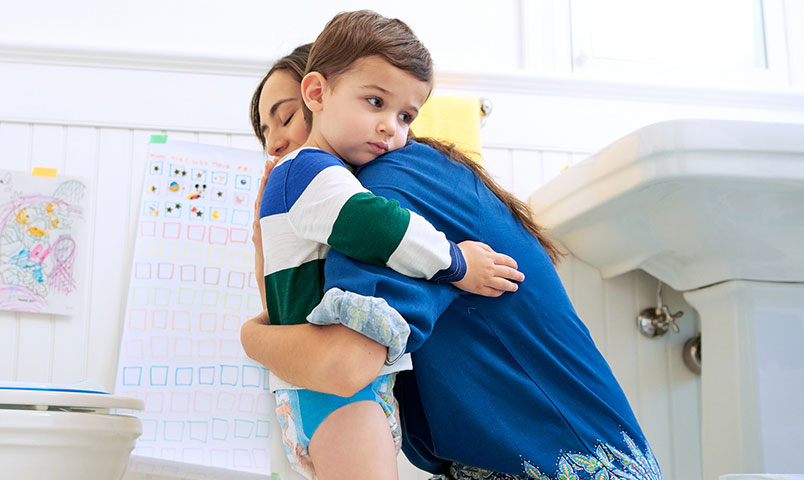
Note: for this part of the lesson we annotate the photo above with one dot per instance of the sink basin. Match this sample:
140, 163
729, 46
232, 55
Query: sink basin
692, 202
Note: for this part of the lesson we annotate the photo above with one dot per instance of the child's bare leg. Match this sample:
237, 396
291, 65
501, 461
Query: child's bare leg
354, 442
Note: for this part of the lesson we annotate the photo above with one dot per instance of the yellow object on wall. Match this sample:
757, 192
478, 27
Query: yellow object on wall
453, 120
44, 172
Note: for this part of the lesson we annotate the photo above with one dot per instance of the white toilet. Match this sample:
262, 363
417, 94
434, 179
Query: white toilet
51, 432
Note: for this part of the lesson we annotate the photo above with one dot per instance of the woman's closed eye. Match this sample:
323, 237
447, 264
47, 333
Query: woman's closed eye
286, 122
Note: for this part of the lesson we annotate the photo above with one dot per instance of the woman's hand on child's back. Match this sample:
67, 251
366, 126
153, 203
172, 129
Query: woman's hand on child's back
488, 273
256, 235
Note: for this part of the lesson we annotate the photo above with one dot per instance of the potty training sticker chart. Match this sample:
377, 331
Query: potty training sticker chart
192, 286
43, 235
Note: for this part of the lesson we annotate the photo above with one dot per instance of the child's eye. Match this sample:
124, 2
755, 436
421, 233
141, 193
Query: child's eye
405, 118
286, 122
375, 101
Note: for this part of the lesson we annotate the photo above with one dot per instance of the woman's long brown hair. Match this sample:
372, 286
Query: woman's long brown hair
519, 209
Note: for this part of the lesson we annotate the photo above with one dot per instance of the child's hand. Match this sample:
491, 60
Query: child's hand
488, 273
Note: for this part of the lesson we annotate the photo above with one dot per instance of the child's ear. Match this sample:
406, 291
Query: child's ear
312, 88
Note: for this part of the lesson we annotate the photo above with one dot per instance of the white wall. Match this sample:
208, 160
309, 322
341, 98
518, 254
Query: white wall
83, 85
258, 29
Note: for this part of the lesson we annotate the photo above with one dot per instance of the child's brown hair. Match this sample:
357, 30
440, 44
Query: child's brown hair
350, 36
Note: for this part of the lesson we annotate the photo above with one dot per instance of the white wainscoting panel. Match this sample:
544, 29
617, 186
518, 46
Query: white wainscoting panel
521, 170
664, 394
72, 348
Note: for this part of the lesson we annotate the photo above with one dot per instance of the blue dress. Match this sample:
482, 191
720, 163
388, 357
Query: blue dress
513, 384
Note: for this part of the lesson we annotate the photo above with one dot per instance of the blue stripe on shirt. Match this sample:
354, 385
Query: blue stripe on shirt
273, 198
456, 270
303, 172
292, 177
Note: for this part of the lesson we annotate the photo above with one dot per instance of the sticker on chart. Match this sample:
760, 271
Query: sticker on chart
217, 195
220, 178
173, 209
217, 214
240, 198
155, 168
178, 171
151, 209
197, 191
197, 213
243, 182
199, 175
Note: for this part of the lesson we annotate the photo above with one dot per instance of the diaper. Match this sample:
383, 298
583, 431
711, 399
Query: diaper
300, 412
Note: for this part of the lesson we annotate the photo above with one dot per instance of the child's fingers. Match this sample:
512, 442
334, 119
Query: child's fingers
502, 285
508, 273
269, 166
502, 259
497, 258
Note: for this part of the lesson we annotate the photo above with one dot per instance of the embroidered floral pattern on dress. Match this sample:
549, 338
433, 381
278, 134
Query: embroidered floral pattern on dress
608, 463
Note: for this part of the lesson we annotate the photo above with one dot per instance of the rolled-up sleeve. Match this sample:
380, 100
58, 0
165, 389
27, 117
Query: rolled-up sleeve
418, 301
405, 176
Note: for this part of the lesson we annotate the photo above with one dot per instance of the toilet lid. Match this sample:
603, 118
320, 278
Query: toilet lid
64, 396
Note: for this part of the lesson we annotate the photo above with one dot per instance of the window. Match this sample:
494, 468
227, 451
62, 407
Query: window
718, 43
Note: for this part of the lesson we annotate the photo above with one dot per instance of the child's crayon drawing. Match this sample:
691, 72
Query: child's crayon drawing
42, 228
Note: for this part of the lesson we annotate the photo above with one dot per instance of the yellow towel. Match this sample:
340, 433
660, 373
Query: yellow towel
453, 120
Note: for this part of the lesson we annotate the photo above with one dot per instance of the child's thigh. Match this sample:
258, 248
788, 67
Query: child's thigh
354, 442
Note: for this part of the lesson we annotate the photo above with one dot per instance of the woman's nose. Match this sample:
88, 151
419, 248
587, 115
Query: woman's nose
276, 146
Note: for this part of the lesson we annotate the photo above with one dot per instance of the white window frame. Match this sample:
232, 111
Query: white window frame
794, 12
777, 76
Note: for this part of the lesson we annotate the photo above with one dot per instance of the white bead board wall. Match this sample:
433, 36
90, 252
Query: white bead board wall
56, 348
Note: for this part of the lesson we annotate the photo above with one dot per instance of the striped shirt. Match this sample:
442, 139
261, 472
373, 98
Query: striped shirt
313, 201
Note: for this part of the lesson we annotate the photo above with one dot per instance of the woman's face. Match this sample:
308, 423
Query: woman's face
281, 117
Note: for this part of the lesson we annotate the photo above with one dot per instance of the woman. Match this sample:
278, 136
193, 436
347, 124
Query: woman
502, 388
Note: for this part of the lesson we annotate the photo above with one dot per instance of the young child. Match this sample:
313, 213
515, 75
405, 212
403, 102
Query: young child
367, 76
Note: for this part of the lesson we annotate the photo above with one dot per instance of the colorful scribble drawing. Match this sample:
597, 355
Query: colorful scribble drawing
39, 223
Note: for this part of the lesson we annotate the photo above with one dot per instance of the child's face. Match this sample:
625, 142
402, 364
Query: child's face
367, 110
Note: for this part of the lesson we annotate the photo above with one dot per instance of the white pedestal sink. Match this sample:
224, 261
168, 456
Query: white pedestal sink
714, 209
752, 380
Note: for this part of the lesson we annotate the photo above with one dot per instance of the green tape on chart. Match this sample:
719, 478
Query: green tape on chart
158, 139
